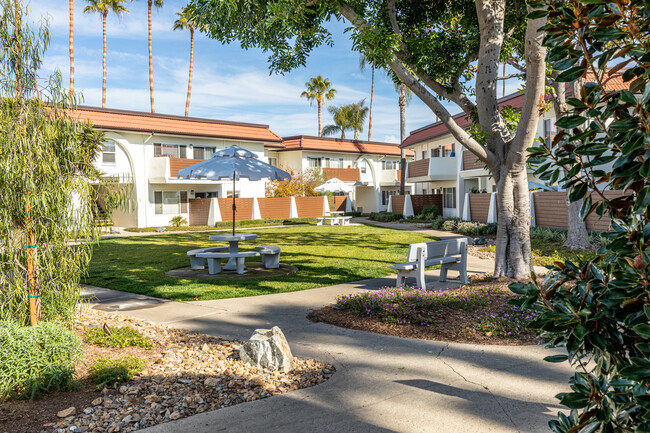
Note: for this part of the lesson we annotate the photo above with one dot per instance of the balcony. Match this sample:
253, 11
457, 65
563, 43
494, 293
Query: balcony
471, 161
343, 174
432, 169
389, 177
164, 169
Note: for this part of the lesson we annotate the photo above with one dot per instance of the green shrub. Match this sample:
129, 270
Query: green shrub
386, 216
106, 371
429, 212
178, 221
36, 359
450, 224
436, 224
118, 337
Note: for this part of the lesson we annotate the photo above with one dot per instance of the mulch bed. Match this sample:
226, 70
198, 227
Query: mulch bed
454, 325
186, 373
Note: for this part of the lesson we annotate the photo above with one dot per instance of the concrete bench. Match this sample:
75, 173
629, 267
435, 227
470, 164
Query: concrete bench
450, 254
270, 256
345, 220
214, 260
198, 263
333, 220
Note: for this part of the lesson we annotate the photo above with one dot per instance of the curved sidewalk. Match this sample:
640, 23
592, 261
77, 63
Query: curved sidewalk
382, 383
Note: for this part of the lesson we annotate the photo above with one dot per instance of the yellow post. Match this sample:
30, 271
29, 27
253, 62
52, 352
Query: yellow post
33, 290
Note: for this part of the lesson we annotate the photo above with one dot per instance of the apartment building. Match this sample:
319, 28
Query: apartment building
149, 149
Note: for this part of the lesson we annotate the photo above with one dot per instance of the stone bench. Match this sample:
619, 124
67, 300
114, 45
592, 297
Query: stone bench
198, 263
333, 220
450, 254
214, 260
270, 256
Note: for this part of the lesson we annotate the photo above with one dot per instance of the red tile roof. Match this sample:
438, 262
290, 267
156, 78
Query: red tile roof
123, 120
516, 100
303, 142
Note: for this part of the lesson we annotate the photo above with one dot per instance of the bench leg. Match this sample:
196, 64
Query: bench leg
421, 281
214, 266
401, 279
240, 265
271, 261
197, 263
443, 272
319, 222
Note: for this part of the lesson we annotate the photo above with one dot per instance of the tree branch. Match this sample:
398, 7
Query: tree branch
535, 55
509, 76
430, 100
516, 65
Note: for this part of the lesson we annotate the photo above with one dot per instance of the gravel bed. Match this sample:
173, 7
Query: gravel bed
187, 373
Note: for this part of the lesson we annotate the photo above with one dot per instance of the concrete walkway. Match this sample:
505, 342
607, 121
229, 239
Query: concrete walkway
382, 383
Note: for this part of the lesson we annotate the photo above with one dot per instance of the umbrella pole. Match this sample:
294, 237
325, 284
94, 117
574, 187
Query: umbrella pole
234, 206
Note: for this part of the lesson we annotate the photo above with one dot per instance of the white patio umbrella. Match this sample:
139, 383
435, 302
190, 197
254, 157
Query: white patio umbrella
233, 163
334, 185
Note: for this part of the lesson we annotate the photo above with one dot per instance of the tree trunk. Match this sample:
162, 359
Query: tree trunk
150, 59
513, 252
372, 94
356, 134
189, 82
104, 60
319, 134
342, 134
402, 136
577, 237
71, 47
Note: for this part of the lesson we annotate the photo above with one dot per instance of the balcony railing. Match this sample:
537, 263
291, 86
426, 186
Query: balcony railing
440, 168
471, 161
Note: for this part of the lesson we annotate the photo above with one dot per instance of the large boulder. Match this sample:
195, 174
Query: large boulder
268, 348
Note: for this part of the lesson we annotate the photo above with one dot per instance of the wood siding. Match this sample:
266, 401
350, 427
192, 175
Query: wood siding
398, 203
479, 207
470, 161
199, 209
343, 174
419, 201
418, 168
338, 203
244, 209
177, 164
275, 207
309, 206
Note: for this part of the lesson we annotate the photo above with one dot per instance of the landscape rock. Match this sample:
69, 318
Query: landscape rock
67, 412
268, 348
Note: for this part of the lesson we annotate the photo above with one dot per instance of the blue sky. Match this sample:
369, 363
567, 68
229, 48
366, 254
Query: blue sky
229, 83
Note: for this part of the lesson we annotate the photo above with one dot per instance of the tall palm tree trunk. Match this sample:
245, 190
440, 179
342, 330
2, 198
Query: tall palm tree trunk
71, 47
189, 82
104, 59
319, 120
372, 94
150, 58
402, 136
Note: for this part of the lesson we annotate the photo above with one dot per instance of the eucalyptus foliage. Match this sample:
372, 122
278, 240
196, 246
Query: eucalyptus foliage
46, 181
599, 310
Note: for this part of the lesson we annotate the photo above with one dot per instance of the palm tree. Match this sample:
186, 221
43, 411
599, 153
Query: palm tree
363, 62
319, 89
341, 117
102, 7
405, 96
183, 23
71, 47
358, 114
158, 4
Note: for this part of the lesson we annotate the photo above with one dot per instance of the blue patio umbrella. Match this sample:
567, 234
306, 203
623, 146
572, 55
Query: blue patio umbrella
233, 163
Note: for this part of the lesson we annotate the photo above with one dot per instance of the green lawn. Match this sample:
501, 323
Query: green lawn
324, 256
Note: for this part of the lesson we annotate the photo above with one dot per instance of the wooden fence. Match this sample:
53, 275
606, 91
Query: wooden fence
337, 203
199, 210
309, 206
479, 205
419, 201
398, 203
275, 207
244, 209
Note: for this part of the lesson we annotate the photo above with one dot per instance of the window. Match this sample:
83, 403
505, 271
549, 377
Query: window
389, 165
183, 201
173, 150
214, 194
314, 162
424, 154
424, 191
363, 169
108, 152
449, 150
273, 161
435, 152
449, 198
203, 152
334, 162
167, 202
548, 131
385, 195
229, 194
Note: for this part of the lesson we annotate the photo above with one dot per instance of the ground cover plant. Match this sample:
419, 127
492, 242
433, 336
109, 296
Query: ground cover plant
115, 371
36, 359
324, 256
123, 336
385, 216
477, 313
